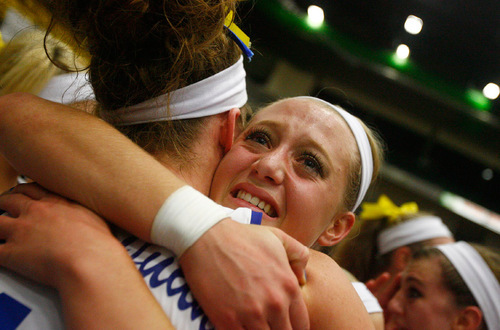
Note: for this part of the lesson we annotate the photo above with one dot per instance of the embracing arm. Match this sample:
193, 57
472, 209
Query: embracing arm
330, 297
117, 298
109, 287
83, 158
68, 247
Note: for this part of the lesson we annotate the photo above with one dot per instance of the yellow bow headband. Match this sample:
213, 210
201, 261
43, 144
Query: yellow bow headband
241, 39
385, 208
2, 44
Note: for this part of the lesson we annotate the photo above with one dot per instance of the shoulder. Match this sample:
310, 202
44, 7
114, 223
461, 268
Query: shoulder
331, 299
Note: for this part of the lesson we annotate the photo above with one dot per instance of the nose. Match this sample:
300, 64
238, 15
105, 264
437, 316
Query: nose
394, 306
271, 167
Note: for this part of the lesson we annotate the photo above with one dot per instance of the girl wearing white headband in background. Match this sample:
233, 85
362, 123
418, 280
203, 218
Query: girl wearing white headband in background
349, 201
450, 286
381, 244
385, 237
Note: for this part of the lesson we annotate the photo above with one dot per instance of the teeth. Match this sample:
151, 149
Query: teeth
257, 202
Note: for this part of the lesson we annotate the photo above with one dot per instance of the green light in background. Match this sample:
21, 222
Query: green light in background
399, 58
398, 61
315, 17
478, 100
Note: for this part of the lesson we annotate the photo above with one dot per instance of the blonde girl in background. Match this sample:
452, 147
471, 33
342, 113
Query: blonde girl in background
382, 242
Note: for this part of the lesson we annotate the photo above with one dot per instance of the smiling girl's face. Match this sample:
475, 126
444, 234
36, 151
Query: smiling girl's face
292, 163
422, 302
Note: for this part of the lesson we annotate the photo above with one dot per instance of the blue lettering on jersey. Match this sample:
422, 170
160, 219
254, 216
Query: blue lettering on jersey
154, 281
12, 312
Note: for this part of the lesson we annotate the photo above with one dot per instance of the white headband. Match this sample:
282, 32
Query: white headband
478, 277
68, 88
411, 231
364, 148
216, 94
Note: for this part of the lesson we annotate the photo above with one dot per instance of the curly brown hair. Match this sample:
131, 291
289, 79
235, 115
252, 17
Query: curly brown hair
140, 49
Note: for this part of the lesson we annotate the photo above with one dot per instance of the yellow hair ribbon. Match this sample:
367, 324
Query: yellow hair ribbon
241, 39
385, 208
2, 44
236, 30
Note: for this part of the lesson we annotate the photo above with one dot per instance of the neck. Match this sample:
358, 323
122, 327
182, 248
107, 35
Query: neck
199, 172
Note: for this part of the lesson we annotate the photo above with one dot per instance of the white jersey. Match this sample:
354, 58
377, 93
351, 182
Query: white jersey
27, 305
369, 300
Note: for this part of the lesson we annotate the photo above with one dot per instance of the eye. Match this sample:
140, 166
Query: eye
312, 163
260, 136
413, 293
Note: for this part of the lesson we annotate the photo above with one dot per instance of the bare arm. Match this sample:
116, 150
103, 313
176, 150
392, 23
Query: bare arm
83, 158
331, 299
68, 247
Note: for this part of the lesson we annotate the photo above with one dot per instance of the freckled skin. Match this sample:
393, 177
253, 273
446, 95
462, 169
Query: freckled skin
275, 160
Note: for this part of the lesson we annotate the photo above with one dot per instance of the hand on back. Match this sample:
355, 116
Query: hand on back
241, 276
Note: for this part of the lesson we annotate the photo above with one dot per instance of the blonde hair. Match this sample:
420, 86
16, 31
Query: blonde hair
354, 166
25, 61
353, 184
39, 12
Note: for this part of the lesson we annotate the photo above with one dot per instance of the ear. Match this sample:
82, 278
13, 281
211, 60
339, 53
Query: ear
469, 318
228, 129
400, 258
337, 229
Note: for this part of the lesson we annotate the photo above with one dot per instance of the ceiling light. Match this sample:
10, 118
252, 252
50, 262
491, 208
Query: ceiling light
315, 16
491, 91
413, 24
487, 174
403, 51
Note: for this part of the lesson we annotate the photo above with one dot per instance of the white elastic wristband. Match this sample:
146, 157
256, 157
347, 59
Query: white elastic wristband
184, 217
